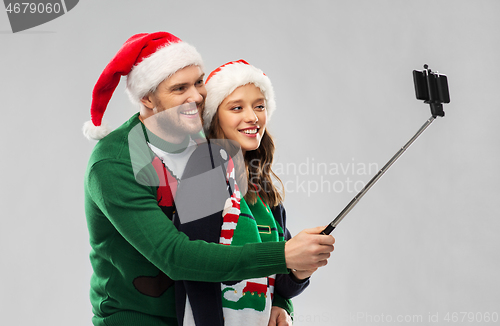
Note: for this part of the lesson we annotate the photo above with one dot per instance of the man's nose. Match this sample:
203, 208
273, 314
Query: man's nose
195, 95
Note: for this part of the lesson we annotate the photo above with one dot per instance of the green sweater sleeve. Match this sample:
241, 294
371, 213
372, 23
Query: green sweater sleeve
133, 211
281, 302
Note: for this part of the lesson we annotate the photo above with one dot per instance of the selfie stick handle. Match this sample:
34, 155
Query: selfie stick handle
380, 173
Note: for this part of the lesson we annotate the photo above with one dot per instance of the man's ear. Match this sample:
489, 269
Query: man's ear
147, 101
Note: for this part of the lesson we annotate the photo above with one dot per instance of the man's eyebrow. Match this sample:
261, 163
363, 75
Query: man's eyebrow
174, 86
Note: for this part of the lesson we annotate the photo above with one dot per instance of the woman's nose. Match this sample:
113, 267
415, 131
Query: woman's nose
250, 116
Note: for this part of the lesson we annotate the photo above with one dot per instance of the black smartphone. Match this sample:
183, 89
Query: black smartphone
432, 88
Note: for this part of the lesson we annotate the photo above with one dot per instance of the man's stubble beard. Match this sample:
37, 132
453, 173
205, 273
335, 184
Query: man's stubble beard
170, 122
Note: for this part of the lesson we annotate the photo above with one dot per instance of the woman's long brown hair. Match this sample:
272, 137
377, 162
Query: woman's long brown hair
258, 167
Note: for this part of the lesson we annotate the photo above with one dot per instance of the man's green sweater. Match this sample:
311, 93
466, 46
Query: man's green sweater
136, 249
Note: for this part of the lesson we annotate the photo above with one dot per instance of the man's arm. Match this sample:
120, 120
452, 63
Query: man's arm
133, 210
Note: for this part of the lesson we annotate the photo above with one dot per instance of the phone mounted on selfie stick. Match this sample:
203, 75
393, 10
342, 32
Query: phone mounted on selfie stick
432, 88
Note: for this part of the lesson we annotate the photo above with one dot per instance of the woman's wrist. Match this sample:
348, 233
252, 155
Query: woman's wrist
296, 276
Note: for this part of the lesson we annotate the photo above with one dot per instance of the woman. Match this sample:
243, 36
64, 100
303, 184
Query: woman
240, 101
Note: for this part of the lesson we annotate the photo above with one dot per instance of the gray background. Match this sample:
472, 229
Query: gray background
420, 244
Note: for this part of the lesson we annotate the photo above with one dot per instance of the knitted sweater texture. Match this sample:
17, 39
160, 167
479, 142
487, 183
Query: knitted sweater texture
136, 249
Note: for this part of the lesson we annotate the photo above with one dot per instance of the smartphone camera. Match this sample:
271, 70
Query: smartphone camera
432, 88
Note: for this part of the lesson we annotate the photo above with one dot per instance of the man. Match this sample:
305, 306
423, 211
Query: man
136, 249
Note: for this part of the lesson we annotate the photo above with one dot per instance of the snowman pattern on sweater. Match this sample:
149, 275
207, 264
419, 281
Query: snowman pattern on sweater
246, 302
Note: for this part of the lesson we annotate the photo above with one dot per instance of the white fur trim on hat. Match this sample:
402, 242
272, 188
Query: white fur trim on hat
150, 72
95, 132
230, 77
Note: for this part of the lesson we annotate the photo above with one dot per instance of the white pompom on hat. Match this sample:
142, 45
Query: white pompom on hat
146, 59
224, 80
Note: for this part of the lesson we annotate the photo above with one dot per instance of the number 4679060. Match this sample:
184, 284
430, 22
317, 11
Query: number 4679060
33, 8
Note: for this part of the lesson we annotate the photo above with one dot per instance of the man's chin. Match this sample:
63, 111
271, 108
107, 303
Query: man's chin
193, 131
190, 124
186, 129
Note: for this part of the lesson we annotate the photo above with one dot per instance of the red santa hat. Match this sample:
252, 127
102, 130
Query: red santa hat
224, 80
146, 60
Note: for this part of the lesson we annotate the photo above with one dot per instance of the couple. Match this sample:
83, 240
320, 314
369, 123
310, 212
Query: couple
147, 272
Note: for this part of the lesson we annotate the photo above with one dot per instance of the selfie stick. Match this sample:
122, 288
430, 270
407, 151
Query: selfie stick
433, 89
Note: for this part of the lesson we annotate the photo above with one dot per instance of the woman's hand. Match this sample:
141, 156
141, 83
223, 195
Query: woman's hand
279, 317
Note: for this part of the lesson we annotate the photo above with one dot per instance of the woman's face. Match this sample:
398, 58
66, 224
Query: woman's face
243, 116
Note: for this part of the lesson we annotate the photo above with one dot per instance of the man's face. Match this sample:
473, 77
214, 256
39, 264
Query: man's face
177, 101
